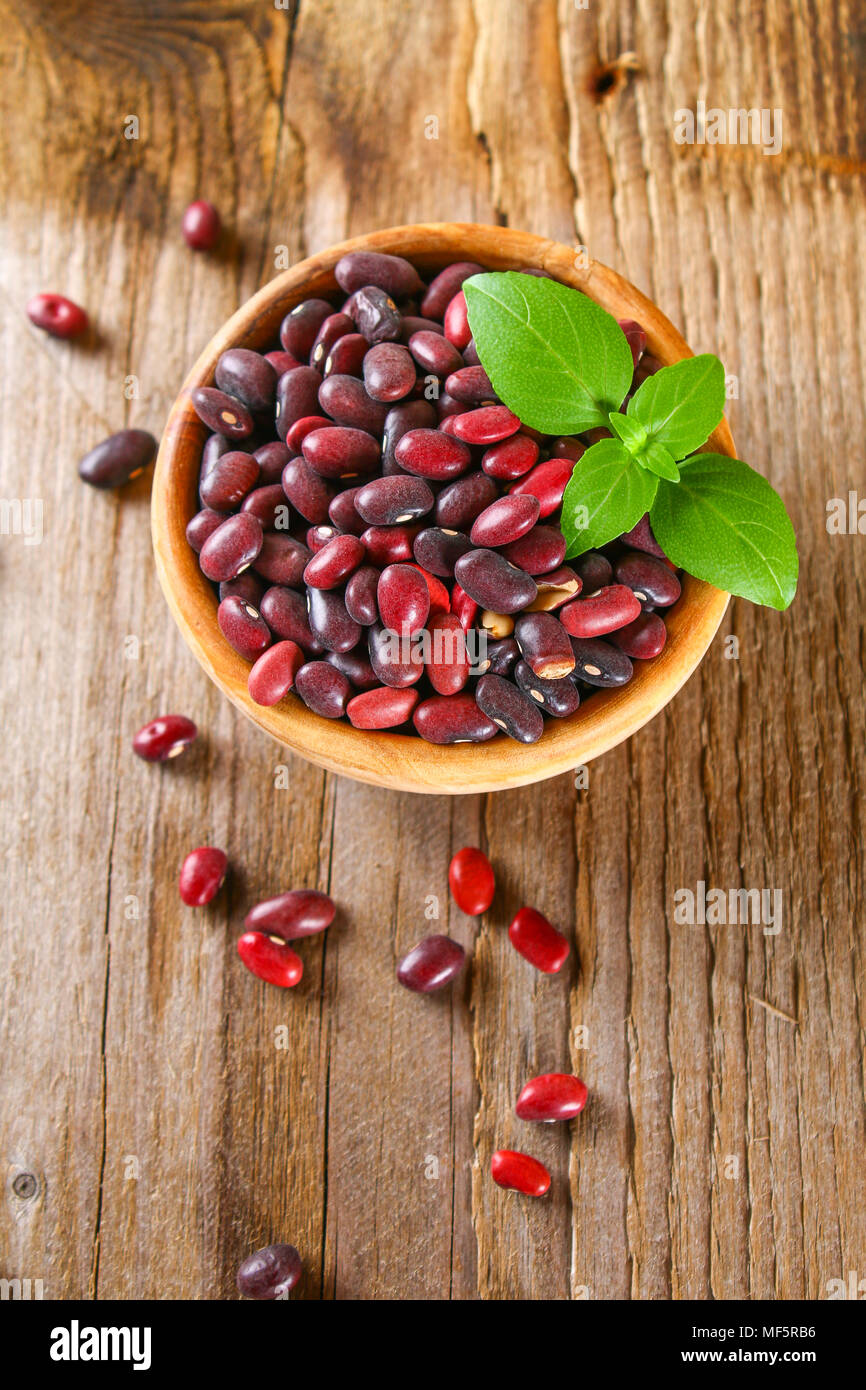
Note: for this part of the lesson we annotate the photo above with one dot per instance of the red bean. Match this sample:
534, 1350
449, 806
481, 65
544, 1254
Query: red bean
471, 879
389, 372
248, 376
447, 406
308, 493
300, 912
394, 500
544, 645
456, 321
229, 480
512, 458
440, 599
502, 657
318, 536
434, 353
462, 501
164, 737
431, 965
381, 708
404, 602
463, 607
233, 546
285, 612
539, 552
201, 875
411, 415
444, 286
333, 564
537, 941
201, 225
520, 1171
557, 697
547, 482
332, 329
360, 596
301, 428
282, 361
643, 639
323, 689
330, 622
486, 425
567, 448
300, 328
118, 459
594, 569
636, 338
271, 961
509, 708
269, 1273
598, 663
355, 666
438, 549
343, 513
247, 586
448, 662
214, 447
397, 663
346, 357
412, 323
396, 276
347, 401
57, 315
505, 521
297, 396
601, 612
487, 576
282, 559
453, 719
471, 386
374, 314
389, 545
431, 454
272, 459
339, 452
243, 627
222, 412
641, 537
273, 675
554, 1096
269, 505
649, 579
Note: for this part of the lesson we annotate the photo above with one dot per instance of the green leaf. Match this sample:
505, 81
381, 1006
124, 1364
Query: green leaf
656, 458
680, 406
631, 432
606, 494
725, 524
555, 358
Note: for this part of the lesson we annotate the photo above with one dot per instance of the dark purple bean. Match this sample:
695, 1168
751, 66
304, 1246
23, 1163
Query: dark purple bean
544, 645
594, 570
489, 579
318, 537
511, 459
538, 552
453, 719
118, 459
222, 412
247, 375
509, 708
360, 596
641, 537
285, 612
323, 689
301, 325
396, 276
269, 1273
232, 547
649, 579
411, 415
461, 502
501, 657
308, 493
228, 480
269, 505
330, 622
395, 660
598, 663
202, 525
444, 286
643, 639
392, 501
438, 550
556, 697
432, 454
356, 666
374, 314
281, 559
413, 324
334, 327
247, 586
389, 372
332, 565
346, 357
214, 447
343, 513
472, 386
434, 353
272, 459
339, 452
297, 396
403, 598
431, 965
636, 338
505, 521
345, 399
243, 627
470, 354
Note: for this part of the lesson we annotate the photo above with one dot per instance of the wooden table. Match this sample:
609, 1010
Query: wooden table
164, 1113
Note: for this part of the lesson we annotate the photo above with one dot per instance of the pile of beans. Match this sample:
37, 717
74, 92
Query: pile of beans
370, 510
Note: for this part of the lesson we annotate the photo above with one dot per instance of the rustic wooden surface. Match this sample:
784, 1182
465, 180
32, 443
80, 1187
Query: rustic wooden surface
163, 1113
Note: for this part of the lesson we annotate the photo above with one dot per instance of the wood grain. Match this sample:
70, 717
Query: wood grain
174, 1113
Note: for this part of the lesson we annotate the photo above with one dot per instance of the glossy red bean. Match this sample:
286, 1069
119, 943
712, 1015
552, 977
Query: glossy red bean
504, 521
437, 549
164, 738
234, 545
346, 400
201, 225
118, 459
641, 537
301, 428
247, 586
462, 501
222, 412
318, 536
282, 559
431, 454
285, 612
431, 965
340, 452
389, 372
487, 576
547, 482
346, 357
643, 639
201, 875
511, 459
471, 386
361, 595
243, 627
471, 880
330, 621
374, 314
519, 1171
601, 612
248, 376
300, 912
544, 645
410, 415
308, 492
448, 660
598, 663
557, 697
444, 286
594, 569
57, 315
323, 689
649, 579
297, 397
440, 599
453, 719
537, 941
300, 328
273, 675
269, 506
393, 501
463, 607
456, 321
214, 447
332, 329
403, 598
539, 552
554, 1096
269, 1273
509, 708
282, 361
487, 425
502, 657
228, 481
272, 961
434, 353
389, 545
636, 338
396, 276
344, 515
412, 323
355, 666
381, 708
272, 459
332, 565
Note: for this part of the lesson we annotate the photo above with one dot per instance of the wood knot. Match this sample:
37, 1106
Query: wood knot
610, 78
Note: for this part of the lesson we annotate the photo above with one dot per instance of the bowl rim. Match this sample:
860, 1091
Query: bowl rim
401, 761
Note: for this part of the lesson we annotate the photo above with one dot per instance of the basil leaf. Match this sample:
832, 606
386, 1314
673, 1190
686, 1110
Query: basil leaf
658, 460
554, 357
631, 432
606, 494
724, 523
680, 406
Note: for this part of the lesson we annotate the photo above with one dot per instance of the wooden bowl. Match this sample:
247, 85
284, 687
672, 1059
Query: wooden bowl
392, 759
